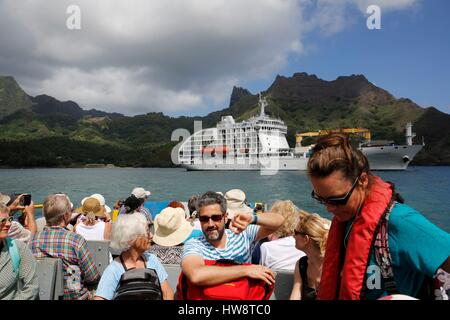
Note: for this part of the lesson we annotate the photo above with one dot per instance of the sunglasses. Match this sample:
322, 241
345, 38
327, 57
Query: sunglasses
9, 219
335, 201
214, 217
297, 233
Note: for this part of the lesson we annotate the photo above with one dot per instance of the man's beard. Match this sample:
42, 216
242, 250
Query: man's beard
215, 234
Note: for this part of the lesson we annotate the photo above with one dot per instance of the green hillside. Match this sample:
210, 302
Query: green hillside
43, 131
12, 97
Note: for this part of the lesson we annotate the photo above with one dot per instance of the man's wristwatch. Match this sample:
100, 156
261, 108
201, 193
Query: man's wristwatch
255, 218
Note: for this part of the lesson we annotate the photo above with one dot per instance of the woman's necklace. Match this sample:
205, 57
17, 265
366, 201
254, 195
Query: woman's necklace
351, 225
348, 232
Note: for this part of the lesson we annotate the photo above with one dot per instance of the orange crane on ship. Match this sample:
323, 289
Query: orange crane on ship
363, 131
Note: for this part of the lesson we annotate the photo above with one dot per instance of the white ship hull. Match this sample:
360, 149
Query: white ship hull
390, 157
268, 164
380, 158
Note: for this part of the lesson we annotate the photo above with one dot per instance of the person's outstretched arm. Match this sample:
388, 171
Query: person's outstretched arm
296, 293
268, 223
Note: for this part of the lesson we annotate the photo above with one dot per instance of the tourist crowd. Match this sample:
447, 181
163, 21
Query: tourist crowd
375, 246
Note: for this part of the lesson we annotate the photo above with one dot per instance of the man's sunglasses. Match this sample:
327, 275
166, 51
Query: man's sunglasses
214, 217
9, 219
335, 201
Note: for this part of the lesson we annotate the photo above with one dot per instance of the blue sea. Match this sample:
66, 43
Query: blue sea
426, 189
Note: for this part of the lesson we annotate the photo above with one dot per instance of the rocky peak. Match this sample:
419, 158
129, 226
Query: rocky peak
12, 97
237, 93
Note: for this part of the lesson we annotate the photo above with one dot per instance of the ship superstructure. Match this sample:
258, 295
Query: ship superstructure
254, 144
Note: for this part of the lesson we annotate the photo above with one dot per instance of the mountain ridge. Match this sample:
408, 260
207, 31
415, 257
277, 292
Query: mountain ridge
305, 102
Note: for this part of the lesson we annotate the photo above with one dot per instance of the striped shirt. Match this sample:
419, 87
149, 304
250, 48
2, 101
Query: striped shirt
238, 246
71, 248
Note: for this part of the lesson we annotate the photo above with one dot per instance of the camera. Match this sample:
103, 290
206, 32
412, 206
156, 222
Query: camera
25, 200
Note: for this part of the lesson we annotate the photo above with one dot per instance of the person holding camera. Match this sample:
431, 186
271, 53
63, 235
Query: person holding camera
18, 278
26, 224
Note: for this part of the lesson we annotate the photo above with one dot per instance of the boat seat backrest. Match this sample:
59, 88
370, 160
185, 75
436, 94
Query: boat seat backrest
51, 278
173, 271
40, 224
283, 285
100, 253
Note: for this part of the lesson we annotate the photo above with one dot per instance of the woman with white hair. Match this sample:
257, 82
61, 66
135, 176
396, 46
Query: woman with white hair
131, 235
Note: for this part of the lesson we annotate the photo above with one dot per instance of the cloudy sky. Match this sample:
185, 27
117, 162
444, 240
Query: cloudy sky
182, 57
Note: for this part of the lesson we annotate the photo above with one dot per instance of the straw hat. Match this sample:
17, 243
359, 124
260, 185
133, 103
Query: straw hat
236, 203
92, 205
4, 198
171, 227
100, 198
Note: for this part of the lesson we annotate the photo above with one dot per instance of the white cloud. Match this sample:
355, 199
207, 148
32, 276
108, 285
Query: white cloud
137, 56
333, 16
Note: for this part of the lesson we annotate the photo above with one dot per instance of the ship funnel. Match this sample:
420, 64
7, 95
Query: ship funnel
409, 134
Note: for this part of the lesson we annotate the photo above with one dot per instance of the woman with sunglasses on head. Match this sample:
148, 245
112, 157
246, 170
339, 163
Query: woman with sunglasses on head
377, 245
310, 237
18, 279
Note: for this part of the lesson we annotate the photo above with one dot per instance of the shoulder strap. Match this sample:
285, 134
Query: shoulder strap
14, 253
123, 263
381, 247
125, 267
184, 286
303, 267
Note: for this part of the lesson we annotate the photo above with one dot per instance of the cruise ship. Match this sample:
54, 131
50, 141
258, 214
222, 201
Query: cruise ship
259, 143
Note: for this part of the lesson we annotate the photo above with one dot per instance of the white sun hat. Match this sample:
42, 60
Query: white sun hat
140, 192
171, 227
236, 203
4, 198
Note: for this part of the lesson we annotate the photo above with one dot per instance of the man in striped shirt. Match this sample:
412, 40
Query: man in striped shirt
56, 241
220, 243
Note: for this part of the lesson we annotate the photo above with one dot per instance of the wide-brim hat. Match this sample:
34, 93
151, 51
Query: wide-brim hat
92, 205
4, 198
171, 227
236, 203
100, 198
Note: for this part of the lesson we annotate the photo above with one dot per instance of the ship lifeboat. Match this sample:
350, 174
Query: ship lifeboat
214, 150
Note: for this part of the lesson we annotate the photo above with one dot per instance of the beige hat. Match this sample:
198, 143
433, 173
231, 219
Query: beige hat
140, 193
4, 198
236, 202
171, 227
100, 198
92, 205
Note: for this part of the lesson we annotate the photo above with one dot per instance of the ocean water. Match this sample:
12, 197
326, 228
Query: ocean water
426, 189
